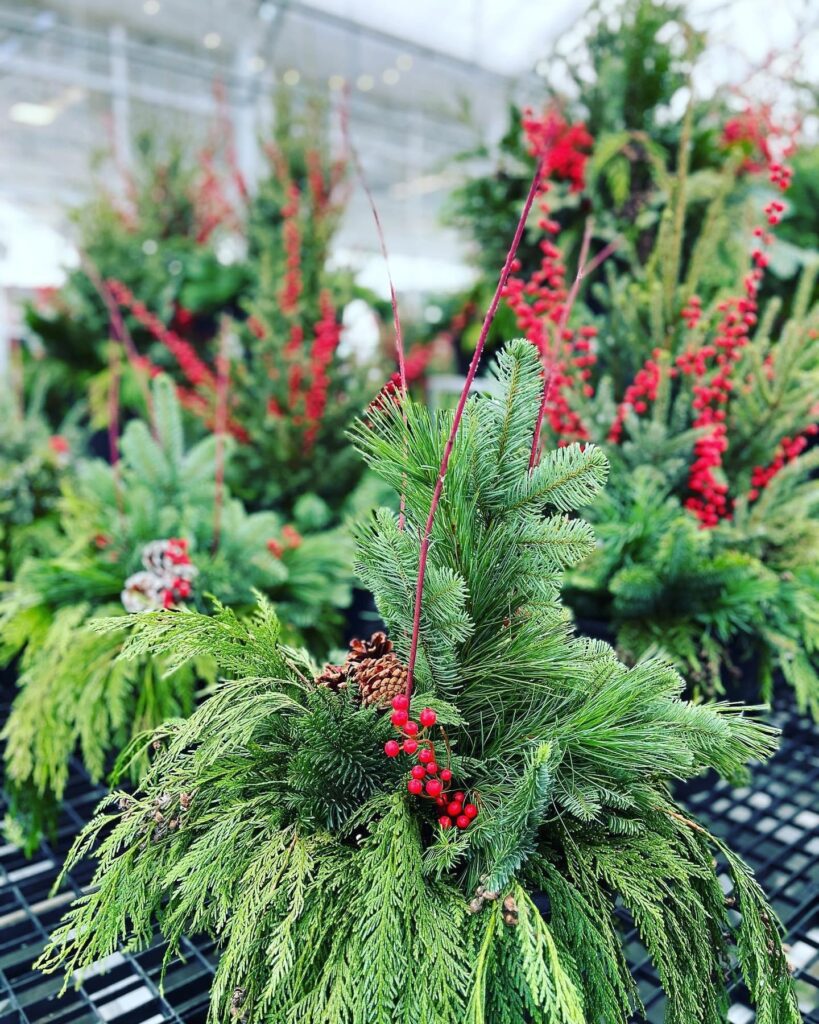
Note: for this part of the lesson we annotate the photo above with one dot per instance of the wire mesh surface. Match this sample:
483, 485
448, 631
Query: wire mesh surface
773, 823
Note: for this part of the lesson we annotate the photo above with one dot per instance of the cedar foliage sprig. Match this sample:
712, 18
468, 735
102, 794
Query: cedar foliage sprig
74, 693
325, 910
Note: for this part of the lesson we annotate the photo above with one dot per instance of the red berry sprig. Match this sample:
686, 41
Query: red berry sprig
427, 778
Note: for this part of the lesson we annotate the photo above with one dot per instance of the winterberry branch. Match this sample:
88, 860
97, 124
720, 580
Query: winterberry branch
220, 426
561, 327
456, 422
120, 332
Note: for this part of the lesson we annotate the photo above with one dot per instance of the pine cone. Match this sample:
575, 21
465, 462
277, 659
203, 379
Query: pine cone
376, 647
380, 679
334, 677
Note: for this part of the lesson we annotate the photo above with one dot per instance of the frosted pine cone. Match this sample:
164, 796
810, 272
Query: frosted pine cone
143, 592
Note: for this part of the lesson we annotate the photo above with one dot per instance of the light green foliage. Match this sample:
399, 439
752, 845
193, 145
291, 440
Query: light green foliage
73, 692
272, 820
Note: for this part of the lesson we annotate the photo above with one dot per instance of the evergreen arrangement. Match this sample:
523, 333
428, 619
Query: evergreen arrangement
367, 841
704, 396
156, 528
159, 233
153, 279
609, 128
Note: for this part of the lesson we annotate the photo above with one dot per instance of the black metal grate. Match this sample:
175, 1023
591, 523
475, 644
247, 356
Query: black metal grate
774, 823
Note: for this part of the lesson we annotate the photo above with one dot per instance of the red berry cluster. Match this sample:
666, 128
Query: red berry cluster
641, 391
58, 444
781, 175
789, 449
179, 587
427, 778
328, 334
211, 205
564, 148
539, 305
194, 370
390, 394
774, 211
709, 499
290, 540
691, 313
291, 234
750, 132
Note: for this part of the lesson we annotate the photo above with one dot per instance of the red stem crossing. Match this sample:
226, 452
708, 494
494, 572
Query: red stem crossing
456, 422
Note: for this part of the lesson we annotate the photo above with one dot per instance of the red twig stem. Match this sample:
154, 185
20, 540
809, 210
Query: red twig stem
456, 422
220, 427
120, 333
396, 319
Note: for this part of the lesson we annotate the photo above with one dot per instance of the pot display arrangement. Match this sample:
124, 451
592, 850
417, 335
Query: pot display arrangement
156, 528
704, 399
366, 839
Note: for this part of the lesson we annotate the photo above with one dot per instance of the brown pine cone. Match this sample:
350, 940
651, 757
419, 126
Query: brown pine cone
376, 647
334, 677
380, 679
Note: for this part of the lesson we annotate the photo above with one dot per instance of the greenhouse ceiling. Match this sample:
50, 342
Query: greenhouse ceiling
422, 82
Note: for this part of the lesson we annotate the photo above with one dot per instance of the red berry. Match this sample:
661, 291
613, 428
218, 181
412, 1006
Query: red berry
410, 746
418, 771
398, 718
391, 748
400, 702
446, 774
454, 808
471, 811
444, 821
434, 787
440, 801
462, 821
428, 717
411, 728
459, 796
426, 755
432, 768
415, 786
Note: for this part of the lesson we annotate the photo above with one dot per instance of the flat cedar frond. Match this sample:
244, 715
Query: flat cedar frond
272, 820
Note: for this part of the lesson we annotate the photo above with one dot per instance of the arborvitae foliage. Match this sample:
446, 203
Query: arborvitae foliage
73, 692
272, 820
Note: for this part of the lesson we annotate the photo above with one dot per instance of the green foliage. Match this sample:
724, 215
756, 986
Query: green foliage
73, 692
33, 466
271, 819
